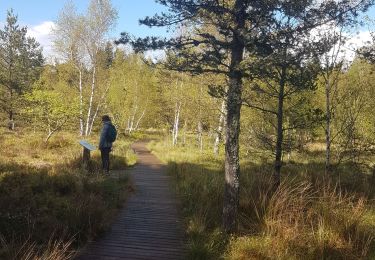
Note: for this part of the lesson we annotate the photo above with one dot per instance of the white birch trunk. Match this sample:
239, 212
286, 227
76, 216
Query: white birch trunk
328, 126
139, 120
80, 103
93, 118
128, 125
219, 130
101, 101
131, 120
91, 101
176, 123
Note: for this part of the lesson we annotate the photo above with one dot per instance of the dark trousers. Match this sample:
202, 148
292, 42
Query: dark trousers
105, 158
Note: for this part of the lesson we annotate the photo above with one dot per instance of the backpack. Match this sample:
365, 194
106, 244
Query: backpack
112, 133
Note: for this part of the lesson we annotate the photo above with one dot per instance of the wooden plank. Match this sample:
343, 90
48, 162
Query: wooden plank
149, 226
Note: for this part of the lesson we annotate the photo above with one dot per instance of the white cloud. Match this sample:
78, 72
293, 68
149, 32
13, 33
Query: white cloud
356, 41
155, 55
353, 40
42, 33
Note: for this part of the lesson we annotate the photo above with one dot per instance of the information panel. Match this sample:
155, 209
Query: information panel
87, 145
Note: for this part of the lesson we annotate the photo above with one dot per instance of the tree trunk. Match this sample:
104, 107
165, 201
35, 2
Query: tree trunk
85, 158
279, 138
51, 131
289, 145
91, 101
200, 125
184, 134
139, 120
176, 123
328, 127
101, 101
128, 126
289, 148
93, 118
234, 101
11, 120
133, 119
11, 112
218, 134
200, 135
80, 103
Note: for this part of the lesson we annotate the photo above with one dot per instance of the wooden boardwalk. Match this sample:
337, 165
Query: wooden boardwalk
148, 227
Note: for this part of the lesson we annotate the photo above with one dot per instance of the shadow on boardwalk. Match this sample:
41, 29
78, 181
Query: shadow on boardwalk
149, 226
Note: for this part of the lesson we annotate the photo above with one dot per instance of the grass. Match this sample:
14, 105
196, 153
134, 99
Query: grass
27, 148
50, 206
309, 217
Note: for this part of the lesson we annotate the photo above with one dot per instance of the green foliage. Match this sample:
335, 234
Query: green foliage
133, 95
48, 108
20, 63
351, 108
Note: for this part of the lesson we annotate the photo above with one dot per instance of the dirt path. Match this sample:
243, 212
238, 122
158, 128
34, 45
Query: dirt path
149, 226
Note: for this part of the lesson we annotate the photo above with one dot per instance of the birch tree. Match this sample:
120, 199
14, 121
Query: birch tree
332, 64
100, 19
68, 44
80, 38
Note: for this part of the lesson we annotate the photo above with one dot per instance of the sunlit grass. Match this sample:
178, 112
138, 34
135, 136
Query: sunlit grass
309, 217
49, 204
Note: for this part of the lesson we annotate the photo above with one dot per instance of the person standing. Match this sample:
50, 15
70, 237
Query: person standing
107, 137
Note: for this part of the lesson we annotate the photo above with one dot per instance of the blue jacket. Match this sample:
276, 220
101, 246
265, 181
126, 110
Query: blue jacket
104, 143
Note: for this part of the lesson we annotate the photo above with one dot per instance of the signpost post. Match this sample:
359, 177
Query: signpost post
87, 148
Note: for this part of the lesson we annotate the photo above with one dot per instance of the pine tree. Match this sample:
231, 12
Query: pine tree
20, 63
238, 26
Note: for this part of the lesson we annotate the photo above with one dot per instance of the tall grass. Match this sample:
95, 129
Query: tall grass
301, 221
309, 217
55, 249
49, 205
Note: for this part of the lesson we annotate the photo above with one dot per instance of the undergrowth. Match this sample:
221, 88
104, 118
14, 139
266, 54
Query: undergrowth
49, 205
310, 216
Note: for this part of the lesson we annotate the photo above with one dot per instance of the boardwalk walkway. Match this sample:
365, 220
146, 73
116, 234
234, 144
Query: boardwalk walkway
148, 227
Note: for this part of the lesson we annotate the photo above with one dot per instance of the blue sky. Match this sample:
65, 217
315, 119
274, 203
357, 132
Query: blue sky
35, 12
39, 15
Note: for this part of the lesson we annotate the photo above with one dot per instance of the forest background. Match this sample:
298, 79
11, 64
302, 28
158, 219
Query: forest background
306, 145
